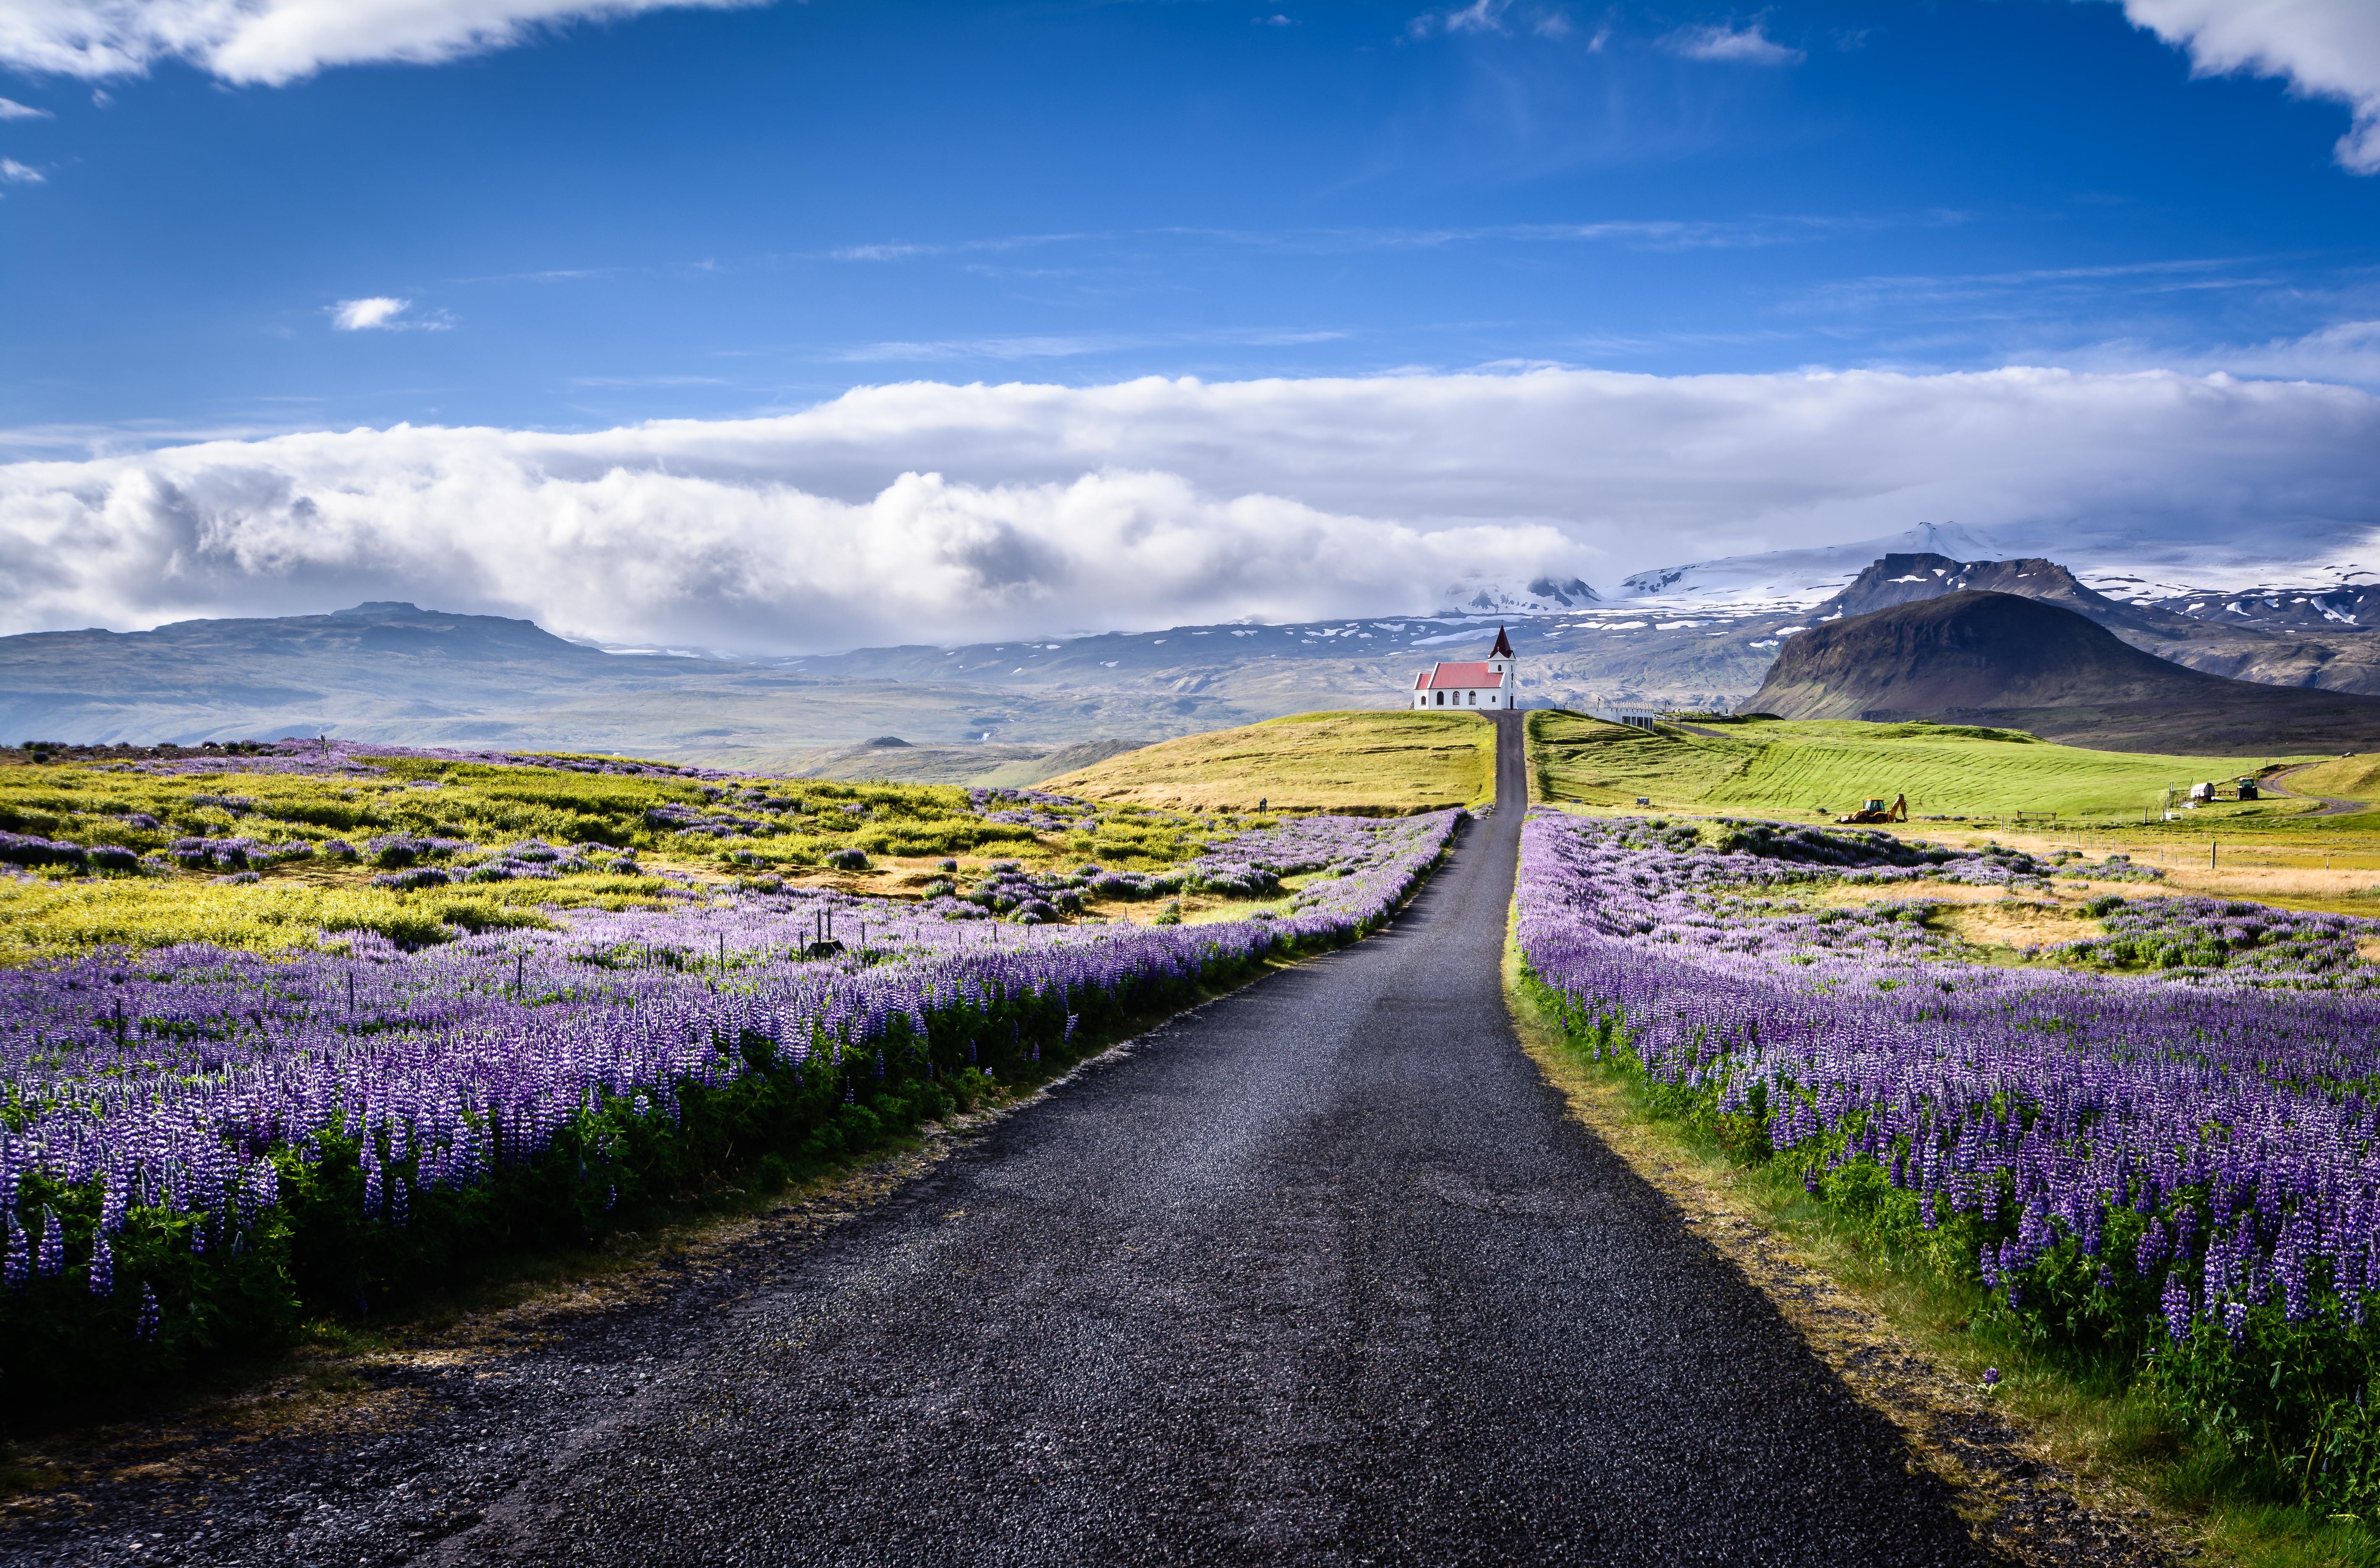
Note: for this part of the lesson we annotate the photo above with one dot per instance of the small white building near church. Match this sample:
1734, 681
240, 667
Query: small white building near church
1482, 683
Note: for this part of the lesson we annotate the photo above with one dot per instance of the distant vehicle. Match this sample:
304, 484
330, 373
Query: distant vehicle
1876, 810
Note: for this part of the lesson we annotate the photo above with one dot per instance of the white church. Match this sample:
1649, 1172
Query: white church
1480, 683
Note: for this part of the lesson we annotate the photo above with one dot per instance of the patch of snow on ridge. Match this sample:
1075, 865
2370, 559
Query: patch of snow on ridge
1788, 580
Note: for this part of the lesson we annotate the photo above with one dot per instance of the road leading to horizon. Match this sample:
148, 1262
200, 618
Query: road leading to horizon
1320, 1273
1323, 1272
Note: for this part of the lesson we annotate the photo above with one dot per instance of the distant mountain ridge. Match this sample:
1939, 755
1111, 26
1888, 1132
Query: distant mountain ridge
395, 672
2023, 662
2343, 658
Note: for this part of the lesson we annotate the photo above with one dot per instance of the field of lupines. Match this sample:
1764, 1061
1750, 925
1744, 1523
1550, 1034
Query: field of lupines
2180, 1167
200, 1145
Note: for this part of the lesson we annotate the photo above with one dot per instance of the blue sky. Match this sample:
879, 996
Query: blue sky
790, 326
705, 213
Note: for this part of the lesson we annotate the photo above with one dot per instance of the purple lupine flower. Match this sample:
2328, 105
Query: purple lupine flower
52, 1258
146, 1329
103, 1266
2175, 1303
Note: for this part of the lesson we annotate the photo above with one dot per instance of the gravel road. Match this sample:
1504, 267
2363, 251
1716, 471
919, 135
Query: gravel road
1320, 1273
2332, 804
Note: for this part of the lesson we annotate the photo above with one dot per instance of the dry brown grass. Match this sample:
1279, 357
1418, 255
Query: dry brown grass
2016, 923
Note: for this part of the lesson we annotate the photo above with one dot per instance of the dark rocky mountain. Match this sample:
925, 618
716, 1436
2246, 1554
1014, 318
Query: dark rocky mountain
2283, 649
1907, 580
2021, 662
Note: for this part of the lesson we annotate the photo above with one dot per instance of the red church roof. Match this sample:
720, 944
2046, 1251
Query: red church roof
1476, 674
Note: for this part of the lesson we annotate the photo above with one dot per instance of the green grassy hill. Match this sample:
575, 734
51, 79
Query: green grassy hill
1795, 767
2348, 778
1387, 762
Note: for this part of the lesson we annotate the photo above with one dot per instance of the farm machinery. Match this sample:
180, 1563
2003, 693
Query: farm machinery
1877, 811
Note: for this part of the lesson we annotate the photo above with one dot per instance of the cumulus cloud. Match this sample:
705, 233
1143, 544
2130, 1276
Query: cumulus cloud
2322, 48
275, 42
1750, 47
362, 315
381, 313
12, 110
929, 512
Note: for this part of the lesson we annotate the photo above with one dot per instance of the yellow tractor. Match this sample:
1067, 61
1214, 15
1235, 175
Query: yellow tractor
1877, 811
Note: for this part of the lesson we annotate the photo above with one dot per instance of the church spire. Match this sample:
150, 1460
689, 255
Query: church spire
1503, 648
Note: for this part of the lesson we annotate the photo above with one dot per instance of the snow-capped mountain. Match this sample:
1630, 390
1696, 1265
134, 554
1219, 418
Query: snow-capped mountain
1541, 596
1799, 579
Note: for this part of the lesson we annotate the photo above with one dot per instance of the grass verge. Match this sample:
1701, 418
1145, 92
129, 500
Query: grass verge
2062, 1461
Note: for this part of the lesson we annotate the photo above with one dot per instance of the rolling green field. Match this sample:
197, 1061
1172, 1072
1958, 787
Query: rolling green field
1363, 763
1812, 767
2348, 778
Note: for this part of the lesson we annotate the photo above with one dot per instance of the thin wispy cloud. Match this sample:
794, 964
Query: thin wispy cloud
1748, 46
902, 249
2185, 272
548, 275
12, 110
1065, 346
648, 380
1490, 17
15, 172
929, 351
1647, 234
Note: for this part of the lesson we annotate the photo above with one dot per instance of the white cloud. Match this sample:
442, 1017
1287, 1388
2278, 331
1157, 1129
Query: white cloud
2322, 48
362, 315
2345, 351
1749, 47
380, 313
932, 511
1480, 15
12, 110
275, 42
15, 172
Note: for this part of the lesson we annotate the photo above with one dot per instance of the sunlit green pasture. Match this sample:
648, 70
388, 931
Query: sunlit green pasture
1807, 767
1371, 762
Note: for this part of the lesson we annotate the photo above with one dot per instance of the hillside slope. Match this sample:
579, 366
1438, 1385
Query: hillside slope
1385, 763
2018, 663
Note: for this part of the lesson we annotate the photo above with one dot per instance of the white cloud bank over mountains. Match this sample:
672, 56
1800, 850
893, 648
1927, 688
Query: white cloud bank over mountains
933, 513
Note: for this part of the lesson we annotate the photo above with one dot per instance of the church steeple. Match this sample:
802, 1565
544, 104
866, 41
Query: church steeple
1503, 648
